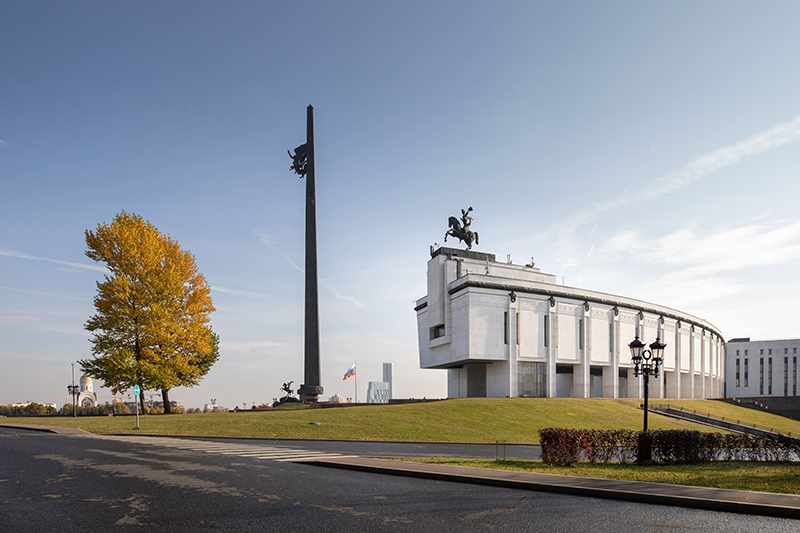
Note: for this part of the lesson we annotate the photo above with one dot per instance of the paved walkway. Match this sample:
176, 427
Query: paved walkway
735, 501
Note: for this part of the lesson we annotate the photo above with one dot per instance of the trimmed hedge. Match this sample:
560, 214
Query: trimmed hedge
561, 446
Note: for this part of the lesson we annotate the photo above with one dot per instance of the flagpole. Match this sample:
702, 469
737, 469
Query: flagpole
355, 375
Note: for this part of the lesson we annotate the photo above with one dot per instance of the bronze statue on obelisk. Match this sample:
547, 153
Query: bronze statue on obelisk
303, 165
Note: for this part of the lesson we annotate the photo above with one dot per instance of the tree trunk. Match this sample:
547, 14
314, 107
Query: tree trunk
165, 398
141, 402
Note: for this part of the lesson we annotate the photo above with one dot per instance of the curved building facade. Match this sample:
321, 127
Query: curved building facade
504, 330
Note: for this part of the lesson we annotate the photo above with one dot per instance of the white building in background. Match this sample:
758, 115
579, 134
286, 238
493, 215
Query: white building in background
761, 368
87, 397
505, 330
337, 398
378, 392
382, 391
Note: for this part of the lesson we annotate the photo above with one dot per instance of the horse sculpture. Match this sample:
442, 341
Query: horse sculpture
460, 229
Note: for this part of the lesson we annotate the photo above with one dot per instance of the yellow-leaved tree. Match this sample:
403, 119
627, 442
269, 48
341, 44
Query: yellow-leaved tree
152, 323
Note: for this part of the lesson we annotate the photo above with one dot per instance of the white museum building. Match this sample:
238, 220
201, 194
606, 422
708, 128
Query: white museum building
765, 368
505, 330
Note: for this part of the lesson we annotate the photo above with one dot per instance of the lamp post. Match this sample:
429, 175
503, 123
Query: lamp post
646, 363
73, 390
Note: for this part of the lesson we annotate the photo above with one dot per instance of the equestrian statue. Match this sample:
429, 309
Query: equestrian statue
460, 229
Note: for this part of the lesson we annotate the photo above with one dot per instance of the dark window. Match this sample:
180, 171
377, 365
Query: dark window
580, 334
745, 371
761, 377
786, 376
611, 337
546, 330
505, 327
737, 371
794, 376
769, 381
517, 314
437, 331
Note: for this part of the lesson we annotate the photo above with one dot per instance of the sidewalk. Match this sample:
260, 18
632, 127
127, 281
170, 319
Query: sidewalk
733, 501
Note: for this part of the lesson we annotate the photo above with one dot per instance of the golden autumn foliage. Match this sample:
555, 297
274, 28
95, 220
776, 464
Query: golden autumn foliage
152, 323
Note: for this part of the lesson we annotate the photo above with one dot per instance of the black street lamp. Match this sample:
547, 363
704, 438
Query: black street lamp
73, 390
646, 363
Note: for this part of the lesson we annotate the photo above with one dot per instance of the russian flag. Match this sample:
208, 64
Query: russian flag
350, 372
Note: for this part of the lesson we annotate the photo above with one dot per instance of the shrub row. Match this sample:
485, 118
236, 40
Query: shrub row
562, 446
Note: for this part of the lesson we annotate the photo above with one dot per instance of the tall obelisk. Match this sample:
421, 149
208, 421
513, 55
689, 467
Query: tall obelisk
311, 388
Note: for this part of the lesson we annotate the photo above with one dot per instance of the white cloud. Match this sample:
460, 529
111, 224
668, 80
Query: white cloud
725, 250
3, 143
40, 322
694, 170
239, 292
20, 255
45, 294
698, 266
269, 240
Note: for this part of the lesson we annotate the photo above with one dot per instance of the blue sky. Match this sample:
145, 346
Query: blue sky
643, 149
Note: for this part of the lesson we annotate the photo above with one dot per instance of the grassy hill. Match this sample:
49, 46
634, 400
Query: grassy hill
515, 420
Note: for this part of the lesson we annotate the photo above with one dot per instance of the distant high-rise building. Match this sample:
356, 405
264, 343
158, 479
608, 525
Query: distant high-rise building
388, 377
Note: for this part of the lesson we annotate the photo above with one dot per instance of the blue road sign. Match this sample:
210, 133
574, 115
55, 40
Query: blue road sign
136, 390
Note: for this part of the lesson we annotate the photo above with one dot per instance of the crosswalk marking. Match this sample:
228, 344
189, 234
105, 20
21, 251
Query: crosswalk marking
251, 451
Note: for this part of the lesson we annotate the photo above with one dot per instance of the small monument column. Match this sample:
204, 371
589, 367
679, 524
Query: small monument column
303, 164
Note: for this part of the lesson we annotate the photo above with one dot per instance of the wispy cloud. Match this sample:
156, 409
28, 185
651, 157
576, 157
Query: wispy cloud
701, 265
269, 240
3, 143
239, 292
713, 252
341, 296
41, 322
20, 255
694, 170
51, 295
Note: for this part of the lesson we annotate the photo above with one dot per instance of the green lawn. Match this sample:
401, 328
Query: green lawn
756, 476
514, 420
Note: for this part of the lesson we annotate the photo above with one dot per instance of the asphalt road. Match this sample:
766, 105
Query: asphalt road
68, 483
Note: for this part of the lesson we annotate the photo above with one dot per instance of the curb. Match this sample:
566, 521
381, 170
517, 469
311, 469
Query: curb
732, 501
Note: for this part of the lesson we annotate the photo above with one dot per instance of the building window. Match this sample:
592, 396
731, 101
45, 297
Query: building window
517, 314
437, 331
737, 372
762, 352
745, 370
794, 376
546, 330
531, 379
745, 353
785, 351
769, 381
580, 334
770, 351
505, 327
786, 376
737, 353
611, 337
761, 377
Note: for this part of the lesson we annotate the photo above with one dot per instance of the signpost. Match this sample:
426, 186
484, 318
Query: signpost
136, 400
